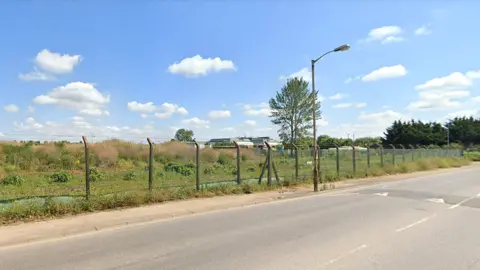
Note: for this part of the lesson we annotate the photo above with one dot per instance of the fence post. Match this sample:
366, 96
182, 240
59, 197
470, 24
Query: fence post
197, 160
269, 164
368, 156
393, 154
403, 153
318, 164
381, 157
87, 169
354, 162
296, 161
150, 164
413, 151
238, 162
337, 159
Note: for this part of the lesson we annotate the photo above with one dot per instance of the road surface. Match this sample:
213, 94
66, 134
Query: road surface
423, 223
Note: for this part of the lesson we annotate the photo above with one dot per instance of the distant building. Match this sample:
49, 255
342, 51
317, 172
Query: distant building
247, 142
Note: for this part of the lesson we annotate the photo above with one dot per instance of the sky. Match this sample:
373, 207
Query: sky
137, 69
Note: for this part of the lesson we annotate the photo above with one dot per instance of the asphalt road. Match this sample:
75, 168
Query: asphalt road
420, 223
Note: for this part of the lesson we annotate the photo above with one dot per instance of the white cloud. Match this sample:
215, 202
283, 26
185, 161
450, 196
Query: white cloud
338, 96
144, 115
387, 72
30, 109
166, 110
250, 123
262, 109
473, 74
369, 124
198, 66
476, 99
79, 96
349, 105
135, 106
36, 75
29, 124
228, 129
442, 93
11, 108
219, 114
57, 63
385, 34
196, 122
303, 73
423, 31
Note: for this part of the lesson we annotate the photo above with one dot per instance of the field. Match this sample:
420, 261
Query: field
54, 173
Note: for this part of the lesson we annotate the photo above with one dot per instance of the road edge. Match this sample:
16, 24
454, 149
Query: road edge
25, 233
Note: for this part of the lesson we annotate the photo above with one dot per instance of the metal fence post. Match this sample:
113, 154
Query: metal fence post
87, 169
296, 161
197, 160
269, 164
368, 156
354, 162
238, 162
381, 157
413, 151
150, 164
403, 153
318, 164
337, 149
394, 153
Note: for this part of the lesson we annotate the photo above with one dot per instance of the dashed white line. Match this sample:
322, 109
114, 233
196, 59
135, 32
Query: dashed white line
350, 252
415, 223
382, 194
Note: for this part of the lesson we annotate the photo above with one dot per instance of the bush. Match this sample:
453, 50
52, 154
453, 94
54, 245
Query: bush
183, 169
208, 170
61, 177
129, 176
224, 159
96, 174
13, 180
473, 156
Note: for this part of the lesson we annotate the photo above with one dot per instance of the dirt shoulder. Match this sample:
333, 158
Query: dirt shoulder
74, 225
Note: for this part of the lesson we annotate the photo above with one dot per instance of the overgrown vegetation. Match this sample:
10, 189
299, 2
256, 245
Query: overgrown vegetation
52, 207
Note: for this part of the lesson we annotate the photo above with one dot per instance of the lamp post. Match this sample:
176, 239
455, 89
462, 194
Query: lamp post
342, 48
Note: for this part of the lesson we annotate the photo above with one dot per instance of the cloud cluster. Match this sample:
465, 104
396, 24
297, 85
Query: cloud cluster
48, 64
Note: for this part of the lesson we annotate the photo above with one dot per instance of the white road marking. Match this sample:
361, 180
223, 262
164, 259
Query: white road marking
436, 200
478, 195
350, 252
460, 203
416, 223
382, 194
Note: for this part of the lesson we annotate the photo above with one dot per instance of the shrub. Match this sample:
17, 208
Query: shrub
183, 169
96, 174
224, 159
13, 180
208, 170
251, 169
61, 177
129, 176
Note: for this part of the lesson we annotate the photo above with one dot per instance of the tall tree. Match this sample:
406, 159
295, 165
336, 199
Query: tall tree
292, 110
184, 135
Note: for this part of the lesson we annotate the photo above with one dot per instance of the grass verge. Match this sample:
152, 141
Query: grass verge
52, 208
473, 156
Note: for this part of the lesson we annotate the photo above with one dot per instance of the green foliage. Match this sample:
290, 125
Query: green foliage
13, 180
224, 159
473, 156
96, 175
209, 170
182, 169
461, 130
184, 135
129, 176
61, 177
292, 110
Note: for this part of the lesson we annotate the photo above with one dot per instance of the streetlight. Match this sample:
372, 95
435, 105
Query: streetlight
342, 48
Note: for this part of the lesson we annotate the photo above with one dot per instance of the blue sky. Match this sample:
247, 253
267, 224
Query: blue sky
92, 68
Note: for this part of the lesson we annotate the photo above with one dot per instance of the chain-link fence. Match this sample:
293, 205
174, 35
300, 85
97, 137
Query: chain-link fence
112, 167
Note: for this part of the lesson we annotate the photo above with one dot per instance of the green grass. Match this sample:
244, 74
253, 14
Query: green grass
119, 174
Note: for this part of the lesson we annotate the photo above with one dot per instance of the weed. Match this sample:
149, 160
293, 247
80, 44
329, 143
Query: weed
61, 177
13, 180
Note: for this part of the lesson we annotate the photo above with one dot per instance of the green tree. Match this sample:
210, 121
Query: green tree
184, 135
292, 110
